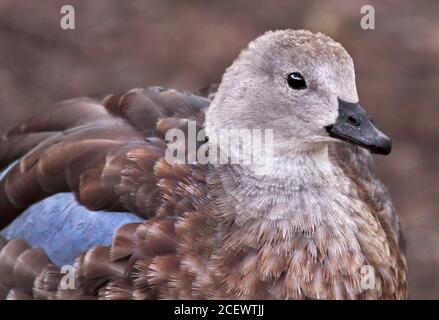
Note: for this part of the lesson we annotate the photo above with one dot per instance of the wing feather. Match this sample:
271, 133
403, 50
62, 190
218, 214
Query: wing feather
102, 149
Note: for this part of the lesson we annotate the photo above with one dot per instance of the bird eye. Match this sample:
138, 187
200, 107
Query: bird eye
296, 81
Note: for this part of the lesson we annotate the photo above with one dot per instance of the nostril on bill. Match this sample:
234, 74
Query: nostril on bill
353, 121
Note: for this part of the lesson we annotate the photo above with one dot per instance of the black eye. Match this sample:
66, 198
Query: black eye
296, 81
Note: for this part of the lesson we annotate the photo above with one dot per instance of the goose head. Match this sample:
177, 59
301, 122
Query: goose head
302, 86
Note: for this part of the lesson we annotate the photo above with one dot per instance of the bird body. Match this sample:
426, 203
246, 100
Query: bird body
319, 224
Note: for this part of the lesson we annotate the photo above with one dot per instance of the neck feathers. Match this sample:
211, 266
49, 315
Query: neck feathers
301, 196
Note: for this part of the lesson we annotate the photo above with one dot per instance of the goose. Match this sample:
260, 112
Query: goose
87, 191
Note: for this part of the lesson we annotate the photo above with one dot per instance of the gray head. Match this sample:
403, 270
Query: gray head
301, 85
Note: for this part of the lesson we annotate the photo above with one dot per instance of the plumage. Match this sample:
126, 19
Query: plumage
66, 229
306, 230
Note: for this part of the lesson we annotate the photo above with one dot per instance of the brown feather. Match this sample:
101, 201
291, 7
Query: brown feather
16, 146
47, 283
23, 188
18, 294
8, 257
124, 241
28, 266
94, 268
62, 116
116, 291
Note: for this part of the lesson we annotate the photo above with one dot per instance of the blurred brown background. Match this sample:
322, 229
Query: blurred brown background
187, 44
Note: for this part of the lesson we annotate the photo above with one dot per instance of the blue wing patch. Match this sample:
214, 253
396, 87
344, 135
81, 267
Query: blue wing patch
64, 228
